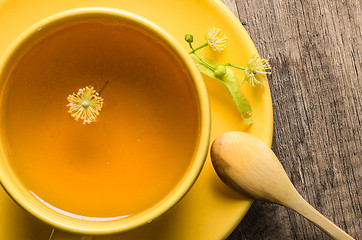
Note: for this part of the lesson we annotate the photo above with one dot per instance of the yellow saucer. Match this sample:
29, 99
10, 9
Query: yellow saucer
210, 210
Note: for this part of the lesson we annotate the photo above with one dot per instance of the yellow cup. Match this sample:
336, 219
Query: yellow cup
68, 227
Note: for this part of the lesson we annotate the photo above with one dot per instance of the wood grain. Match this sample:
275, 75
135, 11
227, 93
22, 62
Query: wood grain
315, 49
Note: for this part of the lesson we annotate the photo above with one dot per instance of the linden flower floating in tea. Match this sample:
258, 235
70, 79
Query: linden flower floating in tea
255, 73
85, 104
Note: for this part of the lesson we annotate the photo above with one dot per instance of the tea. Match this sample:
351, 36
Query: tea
143, 141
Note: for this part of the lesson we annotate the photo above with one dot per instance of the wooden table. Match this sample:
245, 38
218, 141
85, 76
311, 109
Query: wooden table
315, 49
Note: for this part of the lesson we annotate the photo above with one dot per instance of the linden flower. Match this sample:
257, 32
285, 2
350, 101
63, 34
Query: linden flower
85, 104
216, 40
256, 72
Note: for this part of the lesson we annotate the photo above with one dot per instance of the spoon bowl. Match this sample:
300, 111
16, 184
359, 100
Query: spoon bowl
247, 165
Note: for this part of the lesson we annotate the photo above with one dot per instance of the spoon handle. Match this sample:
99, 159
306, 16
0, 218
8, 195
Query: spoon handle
302, 207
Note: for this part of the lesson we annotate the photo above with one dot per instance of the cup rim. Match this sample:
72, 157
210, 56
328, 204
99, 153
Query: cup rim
11, 185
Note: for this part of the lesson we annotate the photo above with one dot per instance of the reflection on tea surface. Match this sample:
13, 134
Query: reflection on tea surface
142, 143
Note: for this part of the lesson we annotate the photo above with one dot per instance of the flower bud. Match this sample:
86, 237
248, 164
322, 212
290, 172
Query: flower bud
189, 38
220, 70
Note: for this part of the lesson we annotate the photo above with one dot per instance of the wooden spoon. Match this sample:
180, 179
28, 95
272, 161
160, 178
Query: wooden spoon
246, 164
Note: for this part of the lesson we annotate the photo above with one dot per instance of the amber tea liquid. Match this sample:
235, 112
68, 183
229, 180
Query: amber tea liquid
143, 141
